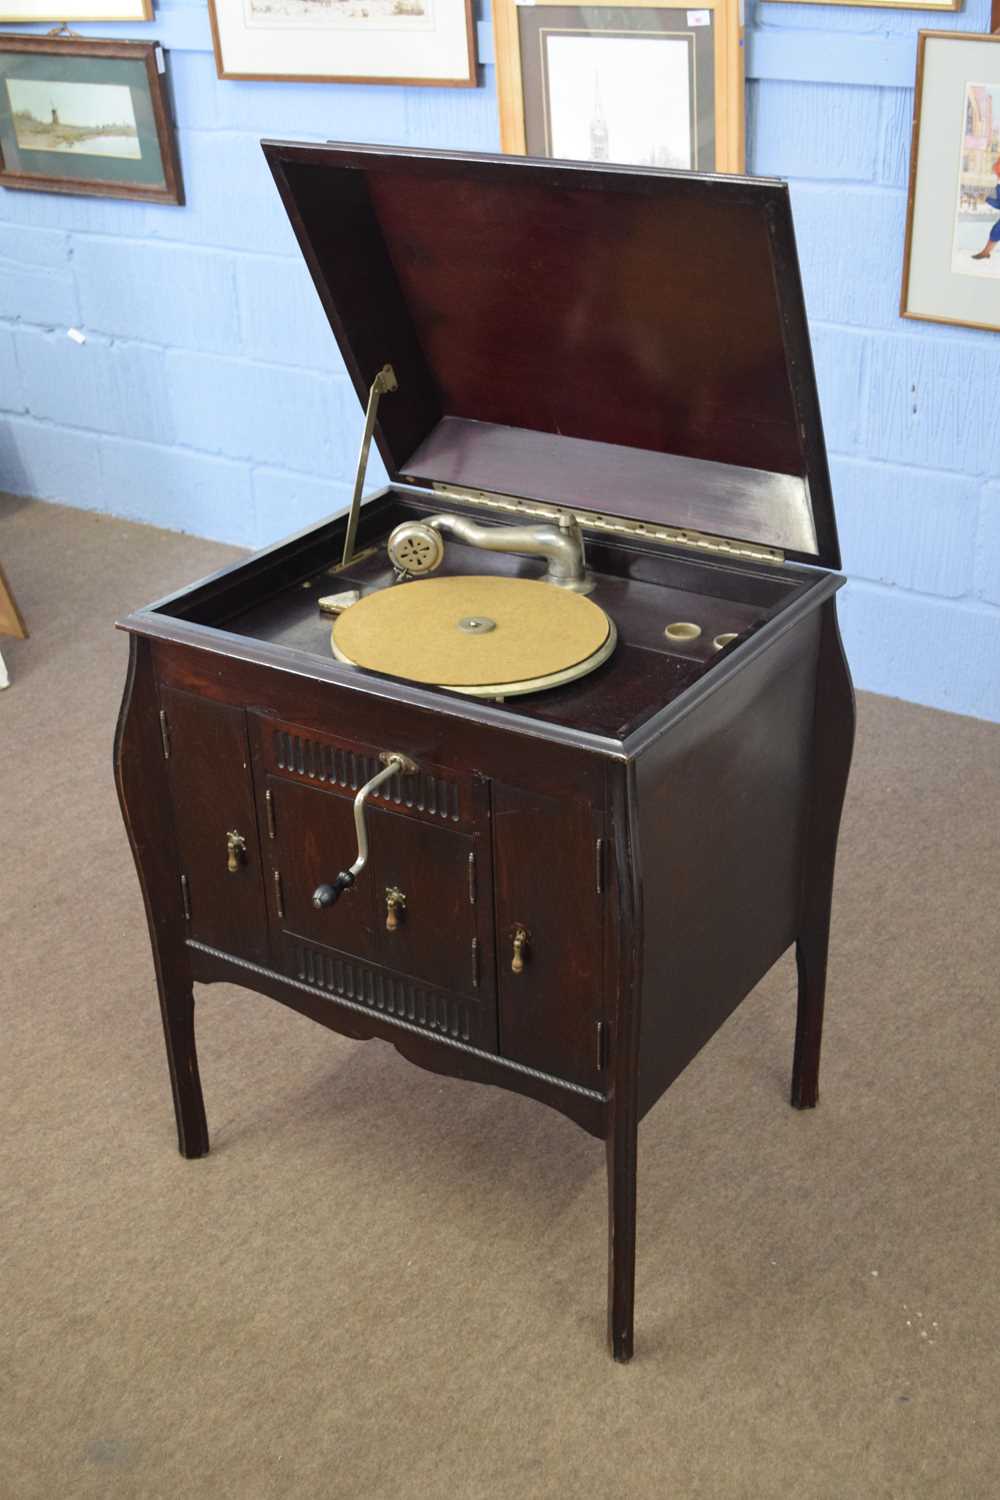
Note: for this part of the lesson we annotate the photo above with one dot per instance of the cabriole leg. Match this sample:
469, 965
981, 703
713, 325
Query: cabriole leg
177, 1010
621, 1147
833, 742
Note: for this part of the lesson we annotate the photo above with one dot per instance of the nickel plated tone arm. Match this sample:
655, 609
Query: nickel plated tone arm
415, 547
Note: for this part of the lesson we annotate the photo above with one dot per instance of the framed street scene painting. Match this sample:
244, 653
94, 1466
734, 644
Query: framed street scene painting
83, 116
345, 41
636, 82
951, 263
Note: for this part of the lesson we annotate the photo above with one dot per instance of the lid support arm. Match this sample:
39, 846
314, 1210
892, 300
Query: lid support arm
384, 381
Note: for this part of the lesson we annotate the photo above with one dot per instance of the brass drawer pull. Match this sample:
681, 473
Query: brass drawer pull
395, 903
520, 943
236, 850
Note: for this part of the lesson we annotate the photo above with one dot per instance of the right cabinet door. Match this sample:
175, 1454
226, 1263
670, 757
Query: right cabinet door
549, 933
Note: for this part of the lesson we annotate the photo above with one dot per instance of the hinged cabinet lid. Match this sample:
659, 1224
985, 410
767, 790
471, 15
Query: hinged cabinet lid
630, 342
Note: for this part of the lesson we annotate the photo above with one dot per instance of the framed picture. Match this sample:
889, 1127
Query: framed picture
889, 4
636, 82
81, 116
27, 11
345, 41
951, 264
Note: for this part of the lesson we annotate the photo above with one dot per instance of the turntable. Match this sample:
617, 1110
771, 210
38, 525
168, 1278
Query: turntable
530, 764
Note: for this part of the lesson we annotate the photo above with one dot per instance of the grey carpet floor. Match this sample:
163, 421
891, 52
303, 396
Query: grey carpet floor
384, 1284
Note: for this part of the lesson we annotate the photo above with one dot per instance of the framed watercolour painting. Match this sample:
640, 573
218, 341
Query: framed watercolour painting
345, 41
951, 262
81, 116
636, 82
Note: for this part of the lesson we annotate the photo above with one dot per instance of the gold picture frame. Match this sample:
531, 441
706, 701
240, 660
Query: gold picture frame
951, 250
524, 36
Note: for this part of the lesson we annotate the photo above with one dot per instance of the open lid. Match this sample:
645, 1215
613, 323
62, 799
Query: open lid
629, 342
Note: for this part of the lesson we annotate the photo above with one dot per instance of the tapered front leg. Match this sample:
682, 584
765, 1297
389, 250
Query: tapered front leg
621, 1145
177, 1009
833, 743
140, 776
811, 955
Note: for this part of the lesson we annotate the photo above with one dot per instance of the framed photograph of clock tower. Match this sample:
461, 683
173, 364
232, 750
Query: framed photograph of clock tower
636, 82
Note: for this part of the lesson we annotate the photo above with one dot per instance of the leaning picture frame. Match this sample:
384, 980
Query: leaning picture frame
90, 116
634, 82
348, 41
951, 256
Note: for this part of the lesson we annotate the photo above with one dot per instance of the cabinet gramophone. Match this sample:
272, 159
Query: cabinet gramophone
553, 774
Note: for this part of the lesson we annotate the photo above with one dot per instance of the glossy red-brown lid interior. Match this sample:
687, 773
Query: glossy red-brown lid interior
629, 342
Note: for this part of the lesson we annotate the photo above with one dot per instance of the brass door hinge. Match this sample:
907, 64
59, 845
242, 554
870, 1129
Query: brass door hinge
186, 897
602, 1046
164, 734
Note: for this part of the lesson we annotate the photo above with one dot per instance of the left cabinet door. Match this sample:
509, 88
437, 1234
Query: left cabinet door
211, 792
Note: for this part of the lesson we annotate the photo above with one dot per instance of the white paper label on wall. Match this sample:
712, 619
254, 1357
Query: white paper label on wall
161, 66
699, 18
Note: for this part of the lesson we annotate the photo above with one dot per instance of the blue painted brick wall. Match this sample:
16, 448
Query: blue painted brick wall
209, 395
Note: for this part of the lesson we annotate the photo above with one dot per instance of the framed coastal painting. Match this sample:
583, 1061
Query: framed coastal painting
82, 116
345, 41
951, 262
642, 83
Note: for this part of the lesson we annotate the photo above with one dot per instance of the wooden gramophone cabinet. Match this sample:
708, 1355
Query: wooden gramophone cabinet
587, 880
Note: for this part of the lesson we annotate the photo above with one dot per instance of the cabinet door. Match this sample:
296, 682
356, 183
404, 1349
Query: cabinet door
549, 887
433, 904
432, 964
310, 838
211, 792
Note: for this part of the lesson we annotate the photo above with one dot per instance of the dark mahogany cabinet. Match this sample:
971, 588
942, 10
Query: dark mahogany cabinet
562, 892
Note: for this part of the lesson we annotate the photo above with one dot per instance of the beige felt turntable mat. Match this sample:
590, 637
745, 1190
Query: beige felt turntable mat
413, 630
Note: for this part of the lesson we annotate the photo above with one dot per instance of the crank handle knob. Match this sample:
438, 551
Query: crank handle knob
329, 895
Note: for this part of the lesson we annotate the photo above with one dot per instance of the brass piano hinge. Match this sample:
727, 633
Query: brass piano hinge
602, 1046
186, 897
164, 734
599, 866
475, 963
667, 536
472, 878
269, 809
278, 897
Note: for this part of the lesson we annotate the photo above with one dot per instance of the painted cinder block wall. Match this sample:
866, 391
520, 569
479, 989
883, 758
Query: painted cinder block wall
209, 396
